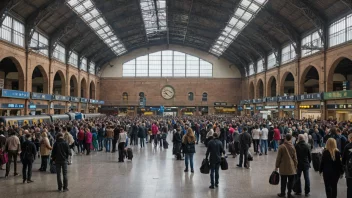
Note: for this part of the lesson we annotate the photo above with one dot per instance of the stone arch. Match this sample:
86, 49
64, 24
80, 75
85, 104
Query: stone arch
283, 80
251, 90
303, 77
20, 72
259, 89
335, 63
271, 90
73, 86
45, 79
83, 91
92, 94
60, 86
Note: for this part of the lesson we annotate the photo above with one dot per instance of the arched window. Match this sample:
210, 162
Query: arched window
124, 97
205, 97
141, 94
190, 96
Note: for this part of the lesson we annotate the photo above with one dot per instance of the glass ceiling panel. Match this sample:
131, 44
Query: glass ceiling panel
154, 16
88, 12
243, 14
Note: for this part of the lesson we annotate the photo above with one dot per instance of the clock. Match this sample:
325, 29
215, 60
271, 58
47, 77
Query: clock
167, 92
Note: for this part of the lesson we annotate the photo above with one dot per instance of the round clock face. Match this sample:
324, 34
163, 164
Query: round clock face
167, 92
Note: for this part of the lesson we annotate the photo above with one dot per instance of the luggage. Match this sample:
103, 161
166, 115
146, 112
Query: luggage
316, 159
3, 157
52, 167
223, 164
129, 154
274, 178
231, 147
205, 167
250, 156
165, 144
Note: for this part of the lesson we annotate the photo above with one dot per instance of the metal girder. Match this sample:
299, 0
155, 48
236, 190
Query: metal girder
314, 17
5, 7
38, 16
196, 18
347, 3
252, 45
91, 47
189, 16
140, 14
263, 36
77, 41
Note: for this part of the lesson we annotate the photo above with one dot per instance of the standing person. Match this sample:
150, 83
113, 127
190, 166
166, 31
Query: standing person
256, 136
60, 154
69, 139
245, 144
101, 136
134, 132
116, 137
28, 153
2, 145
12, 147
286, 163
80, 138
189, 149
215, 149
346, 158
122, 140
331, 167
304, 159
109, 136
45, 149
264, 140
155, 131
177, 144
277, 137
88, 140
95, 140
141, 134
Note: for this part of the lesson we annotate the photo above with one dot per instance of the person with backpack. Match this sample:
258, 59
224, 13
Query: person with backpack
28, 154
61, 152
347, 163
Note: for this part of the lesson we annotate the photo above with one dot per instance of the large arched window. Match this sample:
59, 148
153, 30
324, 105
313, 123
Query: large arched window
204, 97
167, 63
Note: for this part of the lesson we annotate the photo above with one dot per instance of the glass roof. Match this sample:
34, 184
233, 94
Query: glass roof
243, 14
95, 20
154, 16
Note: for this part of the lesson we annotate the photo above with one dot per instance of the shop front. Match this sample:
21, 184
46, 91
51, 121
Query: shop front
13, 102
59, 104
128, 111
93, 106
310, 106
258, 103
188, 110
73, 105
171, 111
203, 110
11, 109
41, 102
271, 108
109, 110
339, 105
83, 104
286, 106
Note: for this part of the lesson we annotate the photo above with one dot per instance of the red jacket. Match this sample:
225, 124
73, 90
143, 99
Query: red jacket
80, 135
277, 135
155, 129
89, 137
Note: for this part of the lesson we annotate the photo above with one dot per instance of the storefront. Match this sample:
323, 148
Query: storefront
13, 103
339, 105
188, 110
84, 102
203, 110
93, 106
258, 103
73, 105
11, 109
310, 112
309, 106
59, 104
287, 111
170, 111
109, 110
41, 102
246, 107
271, 108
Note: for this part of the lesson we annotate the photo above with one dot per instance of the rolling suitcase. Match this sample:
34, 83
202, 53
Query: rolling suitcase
165, 144
129, 154
316, 159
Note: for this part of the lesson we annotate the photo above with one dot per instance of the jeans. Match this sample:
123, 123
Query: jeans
275, 144
189, 156
306, 181
316, 144
142, 142
264, 146
44, 163
100, 143
284, 183
27, 174
330, 182
114, 141
62, 166
256, 145
244, 153
12, 155
214, 169
80, 143
107, 145
349, 187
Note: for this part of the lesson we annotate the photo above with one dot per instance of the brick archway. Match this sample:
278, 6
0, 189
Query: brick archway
251, 90
330, 77
303, 77
268, 86
63, 82
92, 93
282, 82
74, 91
21, 77
259, 89
45, 78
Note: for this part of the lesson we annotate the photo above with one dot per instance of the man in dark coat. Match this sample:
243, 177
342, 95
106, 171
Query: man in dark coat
141, 134
134, 132
347, 154
177, 141
28, 154
304, 159
116, 137
245, 144
215, 149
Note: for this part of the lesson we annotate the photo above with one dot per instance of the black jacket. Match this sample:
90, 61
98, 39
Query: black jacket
330, 167
116, 133
28, 151
346, 154
141, 132
61, 151
303, 155
177, 138
215, 148
245, 140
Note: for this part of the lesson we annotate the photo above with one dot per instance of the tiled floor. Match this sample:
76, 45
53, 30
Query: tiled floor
154, 173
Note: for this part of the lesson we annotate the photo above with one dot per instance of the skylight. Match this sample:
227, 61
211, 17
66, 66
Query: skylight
95, 20
154, 16
243, 14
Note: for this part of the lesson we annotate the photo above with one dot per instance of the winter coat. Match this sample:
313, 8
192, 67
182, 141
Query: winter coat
277, 135
286, 160
45, 147
215, 149
61, 151
303, 155
89, 137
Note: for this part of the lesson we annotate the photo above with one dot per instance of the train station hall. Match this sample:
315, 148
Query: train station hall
175, 98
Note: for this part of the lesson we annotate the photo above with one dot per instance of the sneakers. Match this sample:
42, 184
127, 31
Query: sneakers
211, 187
281, 195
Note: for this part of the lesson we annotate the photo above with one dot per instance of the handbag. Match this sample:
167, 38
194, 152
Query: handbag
4, 158
223, 164
205, 167
274, 178
250, 156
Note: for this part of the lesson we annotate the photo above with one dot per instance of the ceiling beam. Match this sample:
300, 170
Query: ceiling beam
77, 41
348, 3
189, 18
263, 36
140, 14
5, 7
91, 47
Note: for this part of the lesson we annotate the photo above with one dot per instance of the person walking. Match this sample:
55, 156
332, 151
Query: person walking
177, 144
189, 141
141, 134
61, 152
256, 137
264, 140
101, 136
116, 137
155, 130
121, 146
109, 136
286, 163
277, 137
88, 140
214, 149
245, 144
346, 161
304, 159
12, 147
45, 149
28, 154
80, 138
331, 168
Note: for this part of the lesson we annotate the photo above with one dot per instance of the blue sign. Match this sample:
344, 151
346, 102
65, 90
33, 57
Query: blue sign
84, 100
285, 98
93, 101
32, 106
61, 98
12, 106
101, 102
287, 107
40, 96
74, 99
14, 94
240, 108
311, 96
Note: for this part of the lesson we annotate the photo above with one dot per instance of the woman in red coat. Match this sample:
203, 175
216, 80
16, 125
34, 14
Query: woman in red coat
88, 139
277, 137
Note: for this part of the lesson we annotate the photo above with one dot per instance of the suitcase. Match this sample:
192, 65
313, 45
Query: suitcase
129, 154
316, 159
165, 144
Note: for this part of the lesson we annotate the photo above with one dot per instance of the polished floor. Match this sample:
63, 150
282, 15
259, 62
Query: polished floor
153, 173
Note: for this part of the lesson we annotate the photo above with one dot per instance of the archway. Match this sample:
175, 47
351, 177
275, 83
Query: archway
310, 81
271, 88
251, 91
12, 74
39, 80
73, 86
287, 84
83, 88
340, 74
92, 90
59, 83
260, 89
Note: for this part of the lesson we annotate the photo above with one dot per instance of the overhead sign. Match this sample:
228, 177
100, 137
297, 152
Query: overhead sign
271, 107
337, 95
92, 101
311, 96
287, 106
32, 106
61, 98
309, 106
285, 98
74, 99
271, 99
259, 107
244, 102
101, 102
14, 94
84, 100
339, 106
40, 96
259, 100
12, 106
220, 103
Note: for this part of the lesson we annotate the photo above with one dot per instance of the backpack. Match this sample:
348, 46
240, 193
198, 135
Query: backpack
28, 155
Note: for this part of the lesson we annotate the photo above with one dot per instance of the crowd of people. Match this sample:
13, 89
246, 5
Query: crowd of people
294, 142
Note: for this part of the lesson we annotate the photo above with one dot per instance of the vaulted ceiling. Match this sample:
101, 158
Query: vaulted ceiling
193, 23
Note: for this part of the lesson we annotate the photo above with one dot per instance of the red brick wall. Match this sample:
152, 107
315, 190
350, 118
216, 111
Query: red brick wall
218, 89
